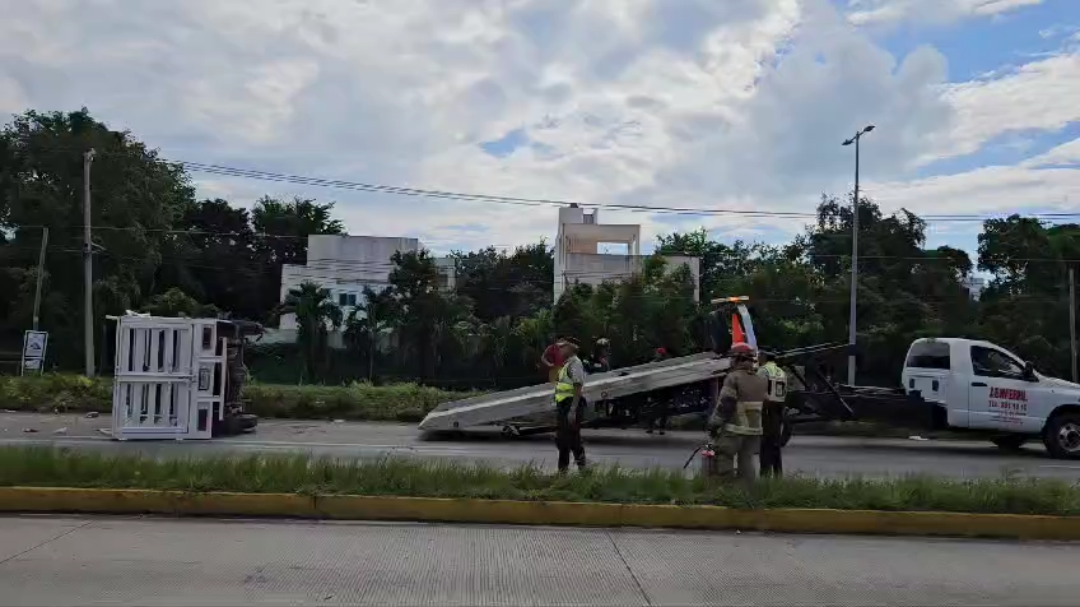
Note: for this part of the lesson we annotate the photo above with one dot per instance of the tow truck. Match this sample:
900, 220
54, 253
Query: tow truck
965, 386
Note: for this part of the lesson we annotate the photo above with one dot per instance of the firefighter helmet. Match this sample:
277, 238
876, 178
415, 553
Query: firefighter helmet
740, 350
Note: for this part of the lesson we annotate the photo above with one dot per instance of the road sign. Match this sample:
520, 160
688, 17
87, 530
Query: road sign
35, 344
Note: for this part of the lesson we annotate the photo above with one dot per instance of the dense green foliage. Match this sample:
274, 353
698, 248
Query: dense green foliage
413, 478
160, 249
363, 402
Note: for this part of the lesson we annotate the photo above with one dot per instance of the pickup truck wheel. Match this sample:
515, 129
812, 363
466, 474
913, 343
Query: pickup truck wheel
1011, 442
1062, 436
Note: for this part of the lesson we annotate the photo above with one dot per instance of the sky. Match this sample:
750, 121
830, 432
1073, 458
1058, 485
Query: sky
730, 105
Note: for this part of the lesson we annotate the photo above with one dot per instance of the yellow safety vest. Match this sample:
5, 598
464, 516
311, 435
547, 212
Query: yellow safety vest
777, 378
564, 388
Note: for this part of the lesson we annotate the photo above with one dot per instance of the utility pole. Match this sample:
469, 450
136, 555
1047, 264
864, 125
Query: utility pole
854, 255
88, 268
1072, 321
40, 277
373, 335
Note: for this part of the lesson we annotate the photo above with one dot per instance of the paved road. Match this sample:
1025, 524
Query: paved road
82, 561
826, 456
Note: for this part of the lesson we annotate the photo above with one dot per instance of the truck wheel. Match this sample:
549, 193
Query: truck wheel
1012, 442
1062, 436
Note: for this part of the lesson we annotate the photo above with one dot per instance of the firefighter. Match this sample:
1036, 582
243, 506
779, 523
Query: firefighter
772, 416
570, 406
736, 420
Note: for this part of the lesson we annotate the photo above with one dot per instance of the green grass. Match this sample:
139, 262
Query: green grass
44, 467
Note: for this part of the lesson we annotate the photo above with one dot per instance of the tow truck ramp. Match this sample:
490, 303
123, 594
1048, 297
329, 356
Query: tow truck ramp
533, 401
537, 400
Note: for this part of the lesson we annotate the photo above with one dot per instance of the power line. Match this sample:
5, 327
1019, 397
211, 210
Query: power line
261, 175
228, 171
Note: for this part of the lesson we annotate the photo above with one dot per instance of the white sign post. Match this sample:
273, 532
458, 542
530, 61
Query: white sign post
33, 352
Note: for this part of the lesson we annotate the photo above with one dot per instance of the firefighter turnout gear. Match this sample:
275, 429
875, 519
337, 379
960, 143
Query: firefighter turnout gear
568, 413
736, 420
772, 418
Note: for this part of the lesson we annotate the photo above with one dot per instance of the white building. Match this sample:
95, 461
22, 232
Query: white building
347, 264
974, 286
579, 254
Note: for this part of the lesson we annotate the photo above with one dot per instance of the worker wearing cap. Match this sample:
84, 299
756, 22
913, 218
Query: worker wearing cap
570, 406
660, 399
772, 416
601, 358
736, 420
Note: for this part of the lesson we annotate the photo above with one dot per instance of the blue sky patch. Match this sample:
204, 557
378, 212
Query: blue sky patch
507, 144
975, 47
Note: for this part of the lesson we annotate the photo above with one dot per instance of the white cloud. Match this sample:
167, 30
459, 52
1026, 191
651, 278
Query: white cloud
685, 103
873, 12
1036, 96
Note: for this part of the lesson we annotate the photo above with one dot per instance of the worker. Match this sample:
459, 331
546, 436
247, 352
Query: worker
552, 360
570, 406
772, 416
600, 362
659, 400
736, 420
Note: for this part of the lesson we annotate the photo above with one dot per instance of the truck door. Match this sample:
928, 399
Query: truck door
998, 395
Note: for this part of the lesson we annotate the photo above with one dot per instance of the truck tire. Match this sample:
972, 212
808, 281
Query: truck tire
1011, 442
1062, 436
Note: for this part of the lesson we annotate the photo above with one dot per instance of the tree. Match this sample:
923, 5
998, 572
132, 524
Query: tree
432, 323
175, 303
316, 315
137, 197
376, 315
282, 230
212, 255
502, 285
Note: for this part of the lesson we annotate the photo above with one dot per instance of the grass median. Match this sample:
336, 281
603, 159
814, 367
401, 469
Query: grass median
45, 467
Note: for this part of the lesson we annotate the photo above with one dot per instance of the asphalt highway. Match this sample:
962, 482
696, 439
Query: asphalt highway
809, 455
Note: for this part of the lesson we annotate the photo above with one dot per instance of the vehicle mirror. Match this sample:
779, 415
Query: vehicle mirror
1029, 371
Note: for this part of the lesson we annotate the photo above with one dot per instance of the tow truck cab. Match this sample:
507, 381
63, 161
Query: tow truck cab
983, 386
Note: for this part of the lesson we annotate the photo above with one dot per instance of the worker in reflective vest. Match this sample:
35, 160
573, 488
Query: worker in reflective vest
772, 416
570, 406
736, 420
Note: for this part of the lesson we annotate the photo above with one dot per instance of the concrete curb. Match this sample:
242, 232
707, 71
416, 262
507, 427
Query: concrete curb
348, 507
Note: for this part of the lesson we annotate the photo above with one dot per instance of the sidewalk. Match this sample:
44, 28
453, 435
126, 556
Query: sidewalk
82, 561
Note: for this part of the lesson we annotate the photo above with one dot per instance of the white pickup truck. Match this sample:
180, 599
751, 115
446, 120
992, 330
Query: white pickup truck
980, 386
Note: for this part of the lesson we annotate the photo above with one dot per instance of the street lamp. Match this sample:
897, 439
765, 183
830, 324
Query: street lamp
854, 254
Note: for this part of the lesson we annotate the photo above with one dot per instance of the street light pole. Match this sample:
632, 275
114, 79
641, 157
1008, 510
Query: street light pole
854, 255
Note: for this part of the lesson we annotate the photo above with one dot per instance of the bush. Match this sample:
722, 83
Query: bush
39, 467
55, 392
404, 402
401, 402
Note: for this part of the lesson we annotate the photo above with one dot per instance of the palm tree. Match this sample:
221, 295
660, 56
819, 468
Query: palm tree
316, 315
368, 321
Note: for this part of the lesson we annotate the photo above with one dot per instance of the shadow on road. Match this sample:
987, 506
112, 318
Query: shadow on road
628, 438
898, 446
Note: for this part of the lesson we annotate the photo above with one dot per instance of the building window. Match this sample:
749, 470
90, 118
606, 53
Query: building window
347, 300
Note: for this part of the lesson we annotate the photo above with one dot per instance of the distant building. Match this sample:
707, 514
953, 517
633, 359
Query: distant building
347, 264
579, 255
974, 286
